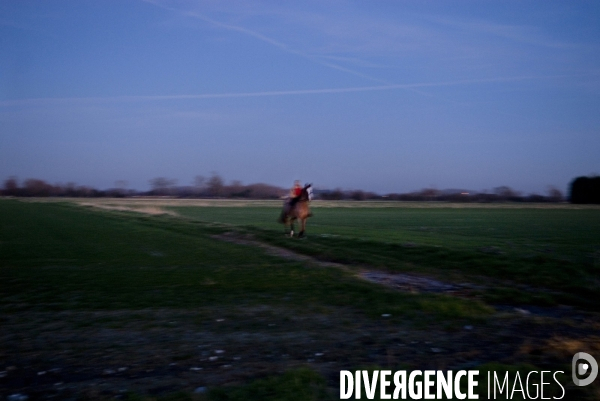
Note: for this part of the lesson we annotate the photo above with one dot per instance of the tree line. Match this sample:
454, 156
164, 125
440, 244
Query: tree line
214, 187
499, 194
202, 187
581, 190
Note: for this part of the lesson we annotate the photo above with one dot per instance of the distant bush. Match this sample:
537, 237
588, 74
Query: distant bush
585, 190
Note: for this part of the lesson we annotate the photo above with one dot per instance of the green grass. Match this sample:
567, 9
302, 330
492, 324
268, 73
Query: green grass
58, 257
115, 260
556, 249
300, 384
295, 385
559, 233
61, 257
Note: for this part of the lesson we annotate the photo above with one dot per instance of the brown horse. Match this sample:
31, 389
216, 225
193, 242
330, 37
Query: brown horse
298, 211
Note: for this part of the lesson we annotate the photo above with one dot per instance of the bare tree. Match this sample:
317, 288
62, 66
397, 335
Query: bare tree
358, 195
162, 185
11, 187
215, 185
506, 193
199, 181
69, 189
336, 194
236, 189
429, 194
264, 191
35, 187
555, 194
198, 185
120, 188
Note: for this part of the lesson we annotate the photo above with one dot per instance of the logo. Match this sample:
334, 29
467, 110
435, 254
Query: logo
584, 364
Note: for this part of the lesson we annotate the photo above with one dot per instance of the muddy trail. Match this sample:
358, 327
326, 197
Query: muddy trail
413, 283
399, 281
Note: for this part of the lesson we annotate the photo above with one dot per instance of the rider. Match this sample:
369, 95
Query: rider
295, 193
293, 198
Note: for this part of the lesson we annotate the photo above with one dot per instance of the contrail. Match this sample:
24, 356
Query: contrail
328, 90
266, 39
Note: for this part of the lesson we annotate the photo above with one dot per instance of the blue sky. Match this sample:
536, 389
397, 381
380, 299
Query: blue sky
389, 96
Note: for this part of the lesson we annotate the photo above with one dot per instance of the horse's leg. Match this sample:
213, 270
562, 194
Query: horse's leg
291, 227
302, 217
302, 227
285, 226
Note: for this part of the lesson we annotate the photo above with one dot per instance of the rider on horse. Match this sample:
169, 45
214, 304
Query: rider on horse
296, 208
293, 198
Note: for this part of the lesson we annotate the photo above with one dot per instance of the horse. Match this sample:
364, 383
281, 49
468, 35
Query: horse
298, 211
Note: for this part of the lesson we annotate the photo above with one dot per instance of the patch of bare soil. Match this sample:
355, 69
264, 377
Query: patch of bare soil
105, 354
151, 210
415, 284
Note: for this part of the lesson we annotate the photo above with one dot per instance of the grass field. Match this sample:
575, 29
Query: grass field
538, 247
569, 234
102, 302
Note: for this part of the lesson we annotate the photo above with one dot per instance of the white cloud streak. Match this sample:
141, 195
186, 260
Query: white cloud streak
282, 46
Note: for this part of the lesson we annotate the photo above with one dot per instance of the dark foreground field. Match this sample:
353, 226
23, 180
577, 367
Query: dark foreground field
213, 303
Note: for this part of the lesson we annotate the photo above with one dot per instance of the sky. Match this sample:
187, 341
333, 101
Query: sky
385, 96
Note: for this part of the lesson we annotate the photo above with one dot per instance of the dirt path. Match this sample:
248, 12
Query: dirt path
145, 209
409, 282
245, 239
412, 283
